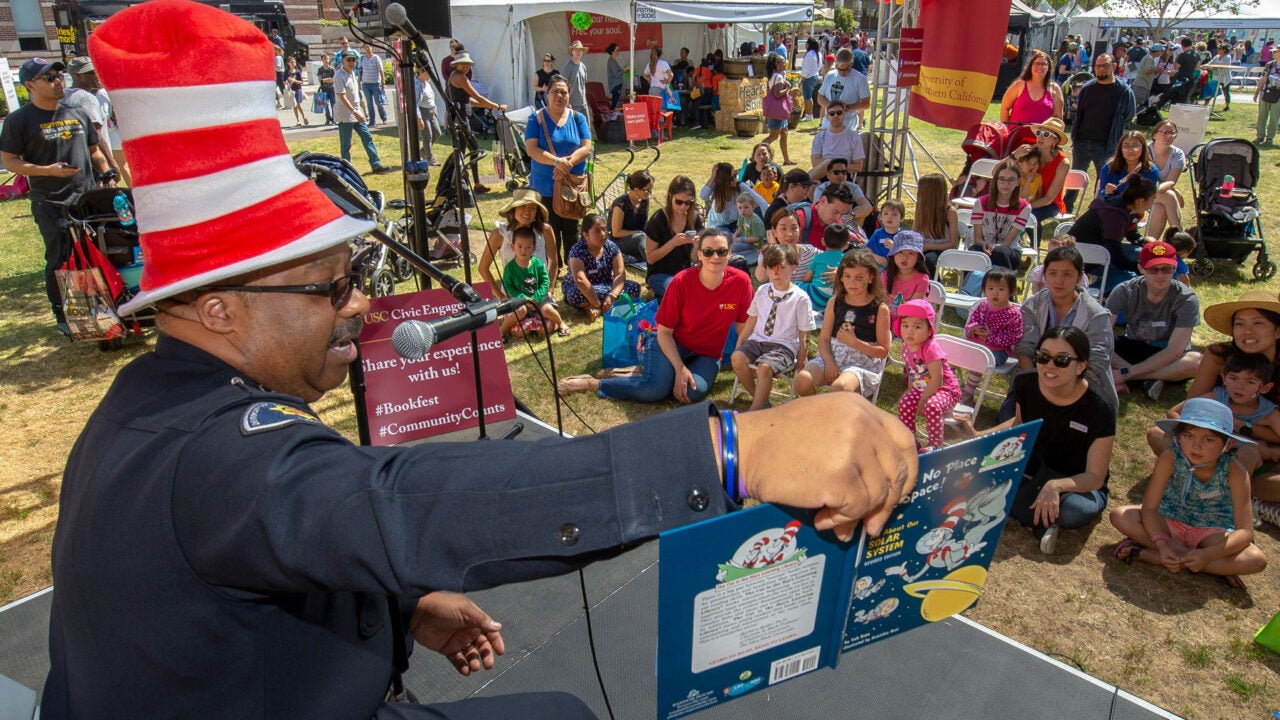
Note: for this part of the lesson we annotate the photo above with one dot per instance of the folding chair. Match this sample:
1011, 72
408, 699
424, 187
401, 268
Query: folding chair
1076, 180
789, 377
598, 102
983, 168
970, 357
962, 262
1096, 255
658, 118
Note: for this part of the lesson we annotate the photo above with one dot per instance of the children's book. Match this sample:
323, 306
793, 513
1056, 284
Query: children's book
757, 597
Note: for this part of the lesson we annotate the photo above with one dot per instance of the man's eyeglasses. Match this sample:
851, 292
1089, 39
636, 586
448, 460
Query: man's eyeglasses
718, 252
339, 291
1061, 360
834, 113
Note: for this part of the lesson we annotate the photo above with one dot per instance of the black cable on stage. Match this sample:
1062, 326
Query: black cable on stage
591, 642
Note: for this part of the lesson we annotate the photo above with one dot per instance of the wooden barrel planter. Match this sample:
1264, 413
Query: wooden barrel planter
748, 125
793, 122
757, 66
735, 68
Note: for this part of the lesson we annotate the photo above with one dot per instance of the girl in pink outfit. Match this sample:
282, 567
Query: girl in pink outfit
931, 386
995, 322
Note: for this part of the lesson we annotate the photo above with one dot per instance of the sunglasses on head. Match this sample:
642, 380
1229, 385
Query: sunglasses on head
1061, 360
718, 252
339, 291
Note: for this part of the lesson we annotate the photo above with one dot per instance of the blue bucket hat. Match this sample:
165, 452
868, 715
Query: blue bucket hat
907, 240
1208, 414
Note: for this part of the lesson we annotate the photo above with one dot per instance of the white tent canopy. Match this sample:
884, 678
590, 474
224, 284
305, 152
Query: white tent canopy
1101, 24
506, 38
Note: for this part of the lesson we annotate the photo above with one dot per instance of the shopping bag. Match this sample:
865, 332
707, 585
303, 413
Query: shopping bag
88, 301
1268, 636
319, 102
624, 326
670, 99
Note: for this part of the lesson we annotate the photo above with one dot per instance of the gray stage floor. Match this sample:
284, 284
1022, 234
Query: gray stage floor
953, 668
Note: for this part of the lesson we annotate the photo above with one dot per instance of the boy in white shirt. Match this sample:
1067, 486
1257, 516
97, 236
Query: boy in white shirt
775, 343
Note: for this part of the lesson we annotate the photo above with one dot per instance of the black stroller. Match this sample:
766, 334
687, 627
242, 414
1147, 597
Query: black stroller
1071, 94
1148, 113
1230, 226
91, 216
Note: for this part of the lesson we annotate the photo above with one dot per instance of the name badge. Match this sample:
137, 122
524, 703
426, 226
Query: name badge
1158, 323
1212, 494
1078, 427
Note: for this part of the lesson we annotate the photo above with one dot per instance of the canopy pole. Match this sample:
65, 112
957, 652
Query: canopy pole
631, 79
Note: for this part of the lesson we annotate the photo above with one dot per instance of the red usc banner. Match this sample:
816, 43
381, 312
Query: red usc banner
605, 30
958, 68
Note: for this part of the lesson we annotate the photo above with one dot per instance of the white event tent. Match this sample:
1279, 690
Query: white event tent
1259, 21
507, 39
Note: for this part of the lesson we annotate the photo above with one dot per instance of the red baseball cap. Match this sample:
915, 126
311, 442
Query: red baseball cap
1157, 253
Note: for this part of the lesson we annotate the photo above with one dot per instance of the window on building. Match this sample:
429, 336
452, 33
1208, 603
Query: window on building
29, 24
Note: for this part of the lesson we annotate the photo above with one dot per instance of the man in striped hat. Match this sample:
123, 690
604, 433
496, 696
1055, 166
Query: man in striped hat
221, 553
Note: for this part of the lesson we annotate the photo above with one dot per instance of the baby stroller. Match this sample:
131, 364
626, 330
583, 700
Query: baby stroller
1071, 94
1148, 114
1230, 227
341, 182
988, 140
481, 120
91, 216
511, 127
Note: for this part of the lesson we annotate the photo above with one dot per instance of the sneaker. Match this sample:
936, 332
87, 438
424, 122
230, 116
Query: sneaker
1265, 511
479, 189
806, 118
695, 126
1257, 141
1154, 388
63, 329
380, 170
1049, 540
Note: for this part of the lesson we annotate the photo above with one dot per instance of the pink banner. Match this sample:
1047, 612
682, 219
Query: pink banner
413, 399
605, 30
958, 69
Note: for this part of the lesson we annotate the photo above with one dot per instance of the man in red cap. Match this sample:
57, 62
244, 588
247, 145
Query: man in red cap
1159, 314
220, 552
56, 147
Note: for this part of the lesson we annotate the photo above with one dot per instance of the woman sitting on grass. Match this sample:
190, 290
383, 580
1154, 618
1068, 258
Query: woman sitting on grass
1066, 481
597, 275
1195, 514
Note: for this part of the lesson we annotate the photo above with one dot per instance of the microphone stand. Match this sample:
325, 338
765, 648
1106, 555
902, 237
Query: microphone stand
416, 183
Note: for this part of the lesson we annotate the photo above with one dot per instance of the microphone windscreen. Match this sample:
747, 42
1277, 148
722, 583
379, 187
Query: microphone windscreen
412, 339
396, 14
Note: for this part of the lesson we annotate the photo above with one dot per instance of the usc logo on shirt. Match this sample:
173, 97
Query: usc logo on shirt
728, 306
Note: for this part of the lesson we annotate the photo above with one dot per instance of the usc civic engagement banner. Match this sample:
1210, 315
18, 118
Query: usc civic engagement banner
958, 68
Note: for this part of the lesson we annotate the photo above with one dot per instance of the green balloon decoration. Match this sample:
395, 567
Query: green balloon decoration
580, 20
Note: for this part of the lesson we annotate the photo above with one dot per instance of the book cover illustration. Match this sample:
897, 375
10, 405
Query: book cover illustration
757, 597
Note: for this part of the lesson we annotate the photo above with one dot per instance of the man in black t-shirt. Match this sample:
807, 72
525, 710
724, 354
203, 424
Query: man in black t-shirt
1186, 74
1104, 108
56, 147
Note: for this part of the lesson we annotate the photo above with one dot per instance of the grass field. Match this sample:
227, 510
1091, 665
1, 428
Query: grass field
1182, 642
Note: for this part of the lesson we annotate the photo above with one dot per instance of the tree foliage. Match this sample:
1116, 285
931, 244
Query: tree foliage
845, 20
1161, 15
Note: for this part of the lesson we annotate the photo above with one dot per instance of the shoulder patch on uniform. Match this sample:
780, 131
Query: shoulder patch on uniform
263, 416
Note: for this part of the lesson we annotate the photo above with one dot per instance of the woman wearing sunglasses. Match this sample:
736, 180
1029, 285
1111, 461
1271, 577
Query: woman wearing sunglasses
1064, 301
682, 357
1066, 481
670, 233
1051, 138
1159, 315
542, 78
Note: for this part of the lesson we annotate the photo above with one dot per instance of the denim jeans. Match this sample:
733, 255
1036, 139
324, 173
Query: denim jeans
373, 97
615, 97
366, 139
1086, 153
1074, 509
631, 244
658, 378
658, 283
57, 248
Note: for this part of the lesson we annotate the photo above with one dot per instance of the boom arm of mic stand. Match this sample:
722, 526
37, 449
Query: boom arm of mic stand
461, 291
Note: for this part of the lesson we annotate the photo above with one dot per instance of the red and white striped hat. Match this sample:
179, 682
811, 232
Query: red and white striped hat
216, 192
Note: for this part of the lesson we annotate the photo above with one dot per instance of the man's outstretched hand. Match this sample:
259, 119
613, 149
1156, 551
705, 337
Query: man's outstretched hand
458, 629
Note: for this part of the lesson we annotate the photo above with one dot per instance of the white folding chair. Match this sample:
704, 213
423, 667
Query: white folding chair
972, 358
1076, 180
937, 297
983, 168
1252, 77
961, 262
788, 377
1096, 255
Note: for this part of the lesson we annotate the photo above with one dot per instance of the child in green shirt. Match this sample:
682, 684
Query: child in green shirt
526, 276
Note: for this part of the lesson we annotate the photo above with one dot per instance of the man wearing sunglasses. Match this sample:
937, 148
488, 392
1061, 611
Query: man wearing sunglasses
57, 147
1159, 315
252, 562
837, 141
847, 84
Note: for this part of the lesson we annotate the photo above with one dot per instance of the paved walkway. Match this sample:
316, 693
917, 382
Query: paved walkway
317, 128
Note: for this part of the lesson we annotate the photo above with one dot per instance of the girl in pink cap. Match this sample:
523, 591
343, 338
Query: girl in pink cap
931, 386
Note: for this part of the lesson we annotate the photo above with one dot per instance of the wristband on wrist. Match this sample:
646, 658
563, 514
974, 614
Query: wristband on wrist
732, 479
1160, 537
1124, 372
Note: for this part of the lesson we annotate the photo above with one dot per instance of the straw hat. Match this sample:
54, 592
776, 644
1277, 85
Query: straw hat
522, 197
216, 191
1219, 316
1055, 126
577, 45
463, 58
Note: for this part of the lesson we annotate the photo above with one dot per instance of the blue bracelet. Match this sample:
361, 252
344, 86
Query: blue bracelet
729, 455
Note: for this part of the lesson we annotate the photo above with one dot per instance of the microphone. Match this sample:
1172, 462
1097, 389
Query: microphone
413, 338
397, 16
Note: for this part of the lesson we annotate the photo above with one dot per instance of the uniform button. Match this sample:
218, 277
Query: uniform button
569, 534
698, 500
